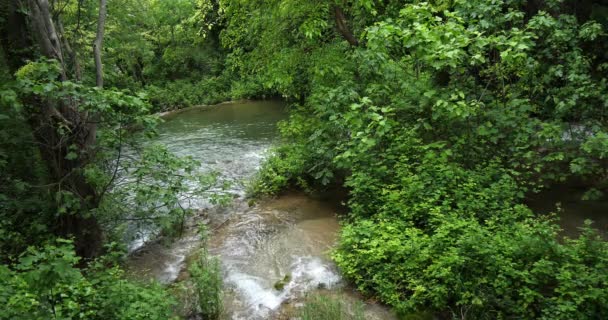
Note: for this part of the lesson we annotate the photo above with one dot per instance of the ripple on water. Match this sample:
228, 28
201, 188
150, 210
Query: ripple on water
259, 299
262, 245
256, 246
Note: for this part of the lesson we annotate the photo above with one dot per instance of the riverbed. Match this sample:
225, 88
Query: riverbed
291, 236
259, 244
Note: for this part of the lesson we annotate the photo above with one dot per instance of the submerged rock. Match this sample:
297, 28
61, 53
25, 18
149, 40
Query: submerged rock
280, 285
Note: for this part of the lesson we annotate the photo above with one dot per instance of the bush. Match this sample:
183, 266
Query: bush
206, 277
185, 93
46, 283
247, 89
478, 272
277, 173
440, 121
456, 242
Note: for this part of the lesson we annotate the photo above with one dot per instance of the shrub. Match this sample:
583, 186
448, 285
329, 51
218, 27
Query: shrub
480, 272
207, 279
46, 283
185, 93
438, 120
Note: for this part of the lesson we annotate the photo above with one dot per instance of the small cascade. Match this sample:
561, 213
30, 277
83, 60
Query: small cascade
272, 254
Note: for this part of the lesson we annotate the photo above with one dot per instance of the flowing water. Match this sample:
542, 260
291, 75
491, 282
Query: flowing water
290, 236
565, 201
257, 245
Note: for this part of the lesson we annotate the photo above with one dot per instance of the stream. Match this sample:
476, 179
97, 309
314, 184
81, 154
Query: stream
566, 201
257, 245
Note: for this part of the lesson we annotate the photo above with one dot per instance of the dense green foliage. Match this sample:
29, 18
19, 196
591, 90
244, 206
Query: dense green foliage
76, 164
438, 117
47, 284
206, 279
48, 280
439, 122
20, 174
169, 50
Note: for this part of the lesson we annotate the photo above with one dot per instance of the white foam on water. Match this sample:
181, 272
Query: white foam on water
140, 240
311, 272
172, 269
176, 258
136, 244
307, 273
258, 154
260, 299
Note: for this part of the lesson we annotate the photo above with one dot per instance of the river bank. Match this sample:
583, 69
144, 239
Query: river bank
169, 113
286, 239
274, 253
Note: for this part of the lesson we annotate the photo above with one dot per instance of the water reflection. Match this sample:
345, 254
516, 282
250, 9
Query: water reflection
572, 211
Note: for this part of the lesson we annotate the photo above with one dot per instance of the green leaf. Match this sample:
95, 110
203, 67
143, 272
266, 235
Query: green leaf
71, 155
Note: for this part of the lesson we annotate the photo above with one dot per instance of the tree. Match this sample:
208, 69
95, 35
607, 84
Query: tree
98, 44
342, 26
65, 135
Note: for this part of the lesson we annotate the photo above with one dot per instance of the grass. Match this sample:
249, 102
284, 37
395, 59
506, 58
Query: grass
327, 308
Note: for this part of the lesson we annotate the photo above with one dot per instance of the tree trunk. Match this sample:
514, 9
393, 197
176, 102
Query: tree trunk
343, 27
97, 45
46, 117
45, 33
71, 53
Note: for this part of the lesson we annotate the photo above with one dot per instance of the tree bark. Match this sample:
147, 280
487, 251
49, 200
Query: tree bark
45, 32
14, 37
71, 53
343, 27
46, 117
97, 45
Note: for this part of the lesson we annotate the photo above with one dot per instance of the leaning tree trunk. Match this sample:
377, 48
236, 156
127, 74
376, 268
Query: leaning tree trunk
78, 132
342, 26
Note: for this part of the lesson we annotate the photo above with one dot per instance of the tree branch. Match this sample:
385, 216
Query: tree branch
343, 27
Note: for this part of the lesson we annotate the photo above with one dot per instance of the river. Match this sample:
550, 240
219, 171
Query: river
260, 244
566, 202
291, 235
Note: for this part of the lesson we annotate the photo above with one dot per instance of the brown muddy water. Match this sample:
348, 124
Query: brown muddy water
291, 235
257, 245
566, 202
